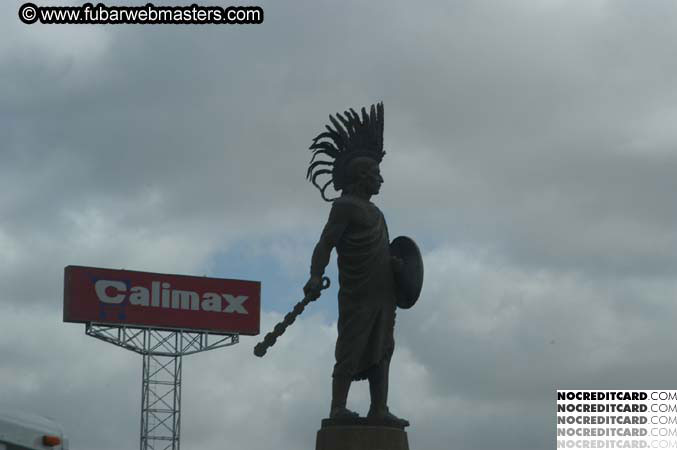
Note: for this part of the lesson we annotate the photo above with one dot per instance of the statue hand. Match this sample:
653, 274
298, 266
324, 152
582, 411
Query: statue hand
313, 287
397, 264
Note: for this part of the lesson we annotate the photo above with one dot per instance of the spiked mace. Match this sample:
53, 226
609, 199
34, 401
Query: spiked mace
262, 347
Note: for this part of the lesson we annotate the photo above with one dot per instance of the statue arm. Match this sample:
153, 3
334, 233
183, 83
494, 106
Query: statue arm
339, 218
320, 258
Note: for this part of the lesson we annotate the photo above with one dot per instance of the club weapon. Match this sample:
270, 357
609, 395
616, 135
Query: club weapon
262, 347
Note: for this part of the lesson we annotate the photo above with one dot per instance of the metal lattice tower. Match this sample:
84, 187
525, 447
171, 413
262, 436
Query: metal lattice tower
162, 351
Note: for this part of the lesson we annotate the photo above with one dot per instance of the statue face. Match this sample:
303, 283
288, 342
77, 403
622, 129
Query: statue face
365, 172
373, 179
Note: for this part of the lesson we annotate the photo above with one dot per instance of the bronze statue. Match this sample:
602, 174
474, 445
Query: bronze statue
368, 291
375, 275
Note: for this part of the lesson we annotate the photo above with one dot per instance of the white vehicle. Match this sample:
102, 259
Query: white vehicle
25, 431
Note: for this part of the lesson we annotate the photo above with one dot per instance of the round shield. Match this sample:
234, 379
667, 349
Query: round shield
409, 280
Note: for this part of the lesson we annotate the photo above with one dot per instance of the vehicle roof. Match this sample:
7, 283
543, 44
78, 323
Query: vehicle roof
13, 423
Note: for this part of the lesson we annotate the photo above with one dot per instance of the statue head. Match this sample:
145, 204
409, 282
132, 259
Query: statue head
351, 152
363, 177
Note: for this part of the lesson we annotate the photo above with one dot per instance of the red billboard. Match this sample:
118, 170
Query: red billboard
126, 297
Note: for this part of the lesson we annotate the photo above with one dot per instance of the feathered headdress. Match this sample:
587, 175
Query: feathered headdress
349, 139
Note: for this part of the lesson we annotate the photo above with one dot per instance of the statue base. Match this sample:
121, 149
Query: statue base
361, 434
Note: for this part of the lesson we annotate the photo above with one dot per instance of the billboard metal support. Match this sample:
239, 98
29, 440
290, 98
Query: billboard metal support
162, 351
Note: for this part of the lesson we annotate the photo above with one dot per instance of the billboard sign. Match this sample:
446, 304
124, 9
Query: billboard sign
126, 297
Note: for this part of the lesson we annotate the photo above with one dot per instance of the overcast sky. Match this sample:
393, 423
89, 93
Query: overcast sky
531, 151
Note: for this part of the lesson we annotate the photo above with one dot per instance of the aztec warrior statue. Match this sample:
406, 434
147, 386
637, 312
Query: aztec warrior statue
375, 276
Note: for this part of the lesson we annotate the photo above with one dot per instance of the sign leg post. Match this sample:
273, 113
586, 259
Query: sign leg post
161, 391
162, 352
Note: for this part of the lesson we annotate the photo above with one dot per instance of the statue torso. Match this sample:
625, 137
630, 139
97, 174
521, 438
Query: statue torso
364, 253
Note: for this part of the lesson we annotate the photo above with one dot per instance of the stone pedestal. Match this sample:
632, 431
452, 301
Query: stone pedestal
361, 434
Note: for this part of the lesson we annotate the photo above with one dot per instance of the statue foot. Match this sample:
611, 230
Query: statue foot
343, 413
385, 414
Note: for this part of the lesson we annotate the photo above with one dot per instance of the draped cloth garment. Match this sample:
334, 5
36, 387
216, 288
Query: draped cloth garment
366, 291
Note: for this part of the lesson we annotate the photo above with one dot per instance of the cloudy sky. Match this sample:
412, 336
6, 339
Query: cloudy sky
531, 151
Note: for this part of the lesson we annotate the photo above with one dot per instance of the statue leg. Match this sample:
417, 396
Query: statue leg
378, 390
339, 396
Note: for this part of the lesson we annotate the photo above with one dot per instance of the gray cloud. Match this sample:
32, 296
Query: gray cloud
530, 151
